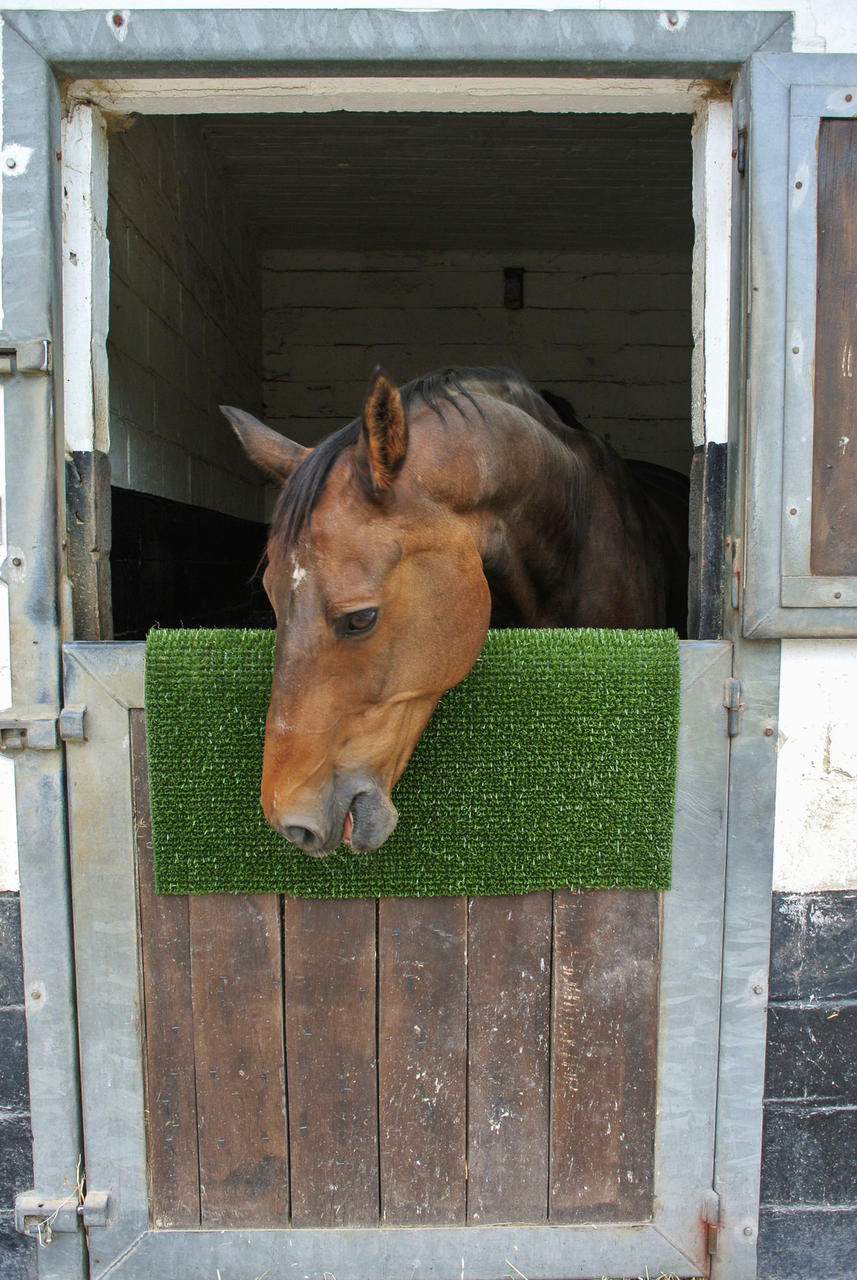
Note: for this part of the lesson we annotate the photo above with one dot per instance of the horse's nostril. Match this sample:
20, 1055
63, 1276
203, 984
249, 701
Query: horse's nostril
304, 838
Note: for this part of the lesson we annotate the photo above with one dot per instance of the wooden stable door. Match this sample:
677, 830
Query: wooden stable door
405, 1062
399, 1088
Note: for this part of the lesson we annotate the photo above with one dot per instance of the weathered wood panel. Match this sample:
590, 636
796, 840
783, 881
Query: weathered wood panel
604, 1049
422, 1040
332, 1063
170, 1070
446, 1060
238, 1037
834, 453
509, 963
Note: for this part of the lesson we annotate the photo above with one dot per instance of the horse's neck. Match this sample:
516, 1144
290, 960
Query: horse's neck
564, 544
534, 523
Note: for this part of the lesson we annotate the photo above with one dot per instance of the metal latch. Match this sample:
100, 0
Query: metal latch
42, 733
41, 1216
34, 733
734, 706
28, 355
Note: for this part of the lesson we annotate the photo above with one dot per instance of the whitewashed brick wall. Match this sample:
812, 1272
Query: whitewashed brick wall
612, 332
185, 327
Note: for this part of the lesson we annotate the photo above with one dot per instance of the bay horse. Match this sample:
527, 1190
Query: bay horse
458, 501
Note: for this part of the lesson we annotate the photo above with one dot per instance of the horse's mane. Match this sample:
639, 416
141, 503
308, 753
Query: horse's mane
301, 492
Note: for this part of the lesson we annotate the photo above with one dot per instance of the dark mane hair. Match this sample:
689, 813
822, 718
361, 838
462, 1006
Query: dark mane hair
301, 492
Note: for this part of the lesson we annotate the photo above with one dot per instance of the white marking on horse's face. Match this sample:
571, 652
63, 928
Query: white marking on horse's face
298, 575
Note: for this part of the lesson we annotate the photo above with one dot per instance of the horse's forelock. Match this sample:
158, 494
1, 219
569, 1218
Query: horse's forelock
301, 492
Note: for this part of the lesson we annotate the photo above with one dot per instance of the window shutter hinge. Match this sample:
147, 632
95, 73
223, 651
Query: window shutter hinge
24, 355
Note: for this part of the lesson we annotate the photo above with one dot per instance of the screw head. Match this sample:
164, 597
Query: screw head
11, 162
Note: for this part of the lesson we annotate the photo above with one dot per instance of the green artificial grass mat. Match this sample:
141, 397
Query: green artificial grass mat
552, 765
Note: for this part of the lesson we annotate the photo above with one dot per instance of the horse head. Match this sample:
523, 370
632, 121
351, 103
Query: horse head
381, 605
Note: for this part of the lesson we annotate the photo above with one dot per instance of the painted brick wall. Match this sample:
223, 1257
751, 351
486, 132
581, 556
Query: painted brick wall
808, 1215
185, 321
612, 332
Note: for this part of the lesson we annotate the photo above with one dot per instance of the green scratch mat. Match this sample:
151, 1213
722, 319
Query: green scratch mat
551, 766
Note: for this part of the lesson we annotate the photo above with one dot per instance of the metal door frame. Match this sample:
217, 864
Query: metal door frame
41, 48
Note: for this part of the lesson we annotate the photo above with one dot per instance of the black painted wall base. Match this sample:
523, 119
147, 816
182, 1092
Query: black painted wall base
17, 1255
808, 1228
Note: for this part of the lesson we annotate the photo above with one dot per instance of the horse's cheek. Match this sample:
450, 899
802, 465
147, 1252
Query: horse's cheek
462, 616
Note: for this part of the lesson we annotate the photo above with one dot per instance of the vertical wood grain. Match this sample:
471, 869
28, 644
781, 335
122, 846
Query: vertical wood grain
171, 1119
604, 1038
834, 451
509, 977
238, 1035
332, 1061
423, 1059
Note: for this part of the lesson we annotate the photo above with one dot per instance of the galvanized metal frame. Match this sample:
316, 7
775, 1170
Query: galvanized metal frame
108, 680
789, 94
244, 42
750, 837
31, 308
38, 48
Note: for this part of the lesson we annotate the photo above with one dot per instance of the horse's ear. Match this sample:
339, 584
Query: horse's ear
271, 452
383, 439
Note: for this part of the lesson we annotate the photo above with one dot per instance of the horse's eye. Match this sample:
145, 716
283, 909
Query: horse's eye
357, 623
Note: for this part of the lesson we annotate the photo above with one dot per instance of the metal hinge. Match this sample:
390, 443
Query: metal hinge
41, 1216
733, 705
711, 1219
27, 355
42, 733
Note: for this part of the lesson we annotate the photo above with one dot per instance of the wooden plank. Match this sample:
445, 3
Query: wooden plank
238, 1034
604, 1049
509, 984
834, 450
171, 1123
332, 1061
422, 1048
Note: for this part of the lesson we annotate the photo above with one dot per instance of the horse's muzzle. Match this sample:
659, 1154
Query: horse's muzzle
373, 818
